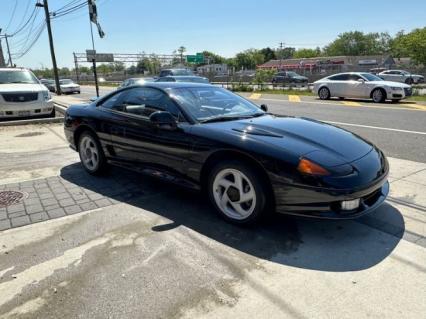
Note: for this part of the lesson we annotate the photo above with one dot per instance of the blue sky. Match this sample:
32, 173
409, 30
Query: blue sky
222, 26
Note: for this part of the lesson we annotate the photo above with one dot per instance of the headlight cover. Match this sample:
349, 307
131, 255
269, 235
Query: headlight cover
47, 96
396, 88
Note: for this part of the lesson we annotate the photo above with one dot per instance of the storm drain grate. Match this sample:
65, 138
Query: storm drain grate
8, 198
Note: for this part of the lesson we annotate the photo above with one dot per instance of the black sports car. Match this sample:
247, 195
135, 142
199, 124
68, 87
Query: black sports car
250, 162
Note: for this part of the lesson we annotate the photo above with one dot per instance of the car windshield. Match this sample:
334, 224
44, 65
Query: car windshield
292, 74
26, 77
181, 72
66, 82
371, 77
211, 103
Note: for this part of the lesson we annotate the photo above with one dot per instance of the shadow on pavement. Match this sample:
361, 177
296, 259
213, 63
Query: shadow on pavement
298, 242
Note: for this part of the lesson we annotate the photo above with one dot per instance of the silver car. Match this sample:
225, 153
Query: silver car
401, 76
360, 85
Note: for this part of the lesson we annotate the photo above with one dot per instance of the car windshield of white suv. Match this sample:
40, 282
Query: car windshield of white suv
8, 77
371, 77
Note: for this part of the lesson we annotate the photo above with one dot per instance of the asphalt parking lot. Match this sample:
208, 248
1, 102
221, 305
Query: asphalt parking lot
125, 246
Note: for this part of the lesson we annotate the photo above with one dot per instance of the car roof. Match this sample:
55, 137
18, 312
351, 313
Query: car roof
174, 85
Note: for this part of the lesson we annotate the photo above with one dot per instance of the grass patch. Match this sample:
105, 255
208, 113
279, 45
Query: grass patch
420, 98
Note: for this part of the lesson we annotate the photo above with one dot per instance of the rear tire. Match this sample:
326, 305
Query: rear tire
237, 192
91, 154
324, 93
378, 96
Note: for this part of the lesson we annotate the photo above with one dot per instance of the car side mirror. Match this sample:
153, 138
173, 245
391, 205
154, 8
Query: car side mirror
361, 80
264, 107
163, 120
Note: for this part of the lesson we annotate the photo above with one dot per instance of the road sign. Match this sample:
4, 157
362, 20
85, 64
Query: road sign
100, 57
198, 58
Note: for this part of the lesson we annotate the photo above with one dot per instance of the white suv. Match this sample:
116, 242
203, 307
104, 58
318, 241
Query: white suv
22, 95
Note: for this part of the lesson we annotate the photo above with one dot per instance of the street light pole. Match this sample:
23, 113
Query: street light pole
45, 5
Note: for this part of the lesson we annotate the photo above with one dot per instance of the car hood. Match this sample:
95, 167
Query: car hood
21, 87
390, 83
325, 144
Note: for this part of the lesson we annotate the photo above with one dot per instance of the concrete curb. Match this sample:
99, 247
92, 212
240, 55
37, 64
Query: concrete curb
33, 121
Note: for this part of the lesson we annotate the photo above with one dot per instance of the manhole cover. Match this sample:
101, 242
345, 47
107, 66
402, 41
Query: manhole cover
8, 198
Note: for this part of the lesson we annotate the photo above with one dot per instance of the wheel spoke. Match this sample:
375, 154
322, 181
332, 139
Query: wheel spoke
238, 209
225, 183
224, 201
245, 197
238, 182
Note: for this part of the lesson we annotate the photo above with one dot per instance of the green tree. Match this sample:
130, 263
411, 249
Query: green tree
285, 53
249, 59
358, 43
268, 54
306, 53
411, 45
181, 51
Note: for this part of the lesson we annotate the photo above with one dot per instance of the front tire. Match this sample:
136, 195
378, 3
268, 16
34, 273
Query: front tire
378, 96
91, 154
237, 192
324, 93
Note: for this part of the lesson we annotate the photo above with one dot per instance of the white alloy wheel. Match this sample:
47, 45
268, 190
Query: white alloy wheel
234, 194
89, 153
377, 96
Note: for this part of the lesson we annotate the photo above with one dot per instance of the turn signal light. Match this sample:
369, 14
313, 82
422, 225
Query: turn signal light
307, 167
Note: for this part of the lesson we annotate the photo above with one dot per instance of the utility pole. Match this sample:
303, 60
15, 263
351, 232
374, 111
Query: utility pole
76, 67
45, 5
281, 54
2, 62
8, 50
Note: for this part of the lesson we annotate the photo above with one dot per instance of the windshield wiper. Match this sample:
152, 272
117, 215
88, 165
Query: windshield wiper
230, 118
224, 118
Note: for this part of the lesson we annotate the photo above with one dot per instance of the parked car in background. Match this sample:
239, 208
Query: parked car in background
181, 78
401, 76
22, 95
49, 83
68, 86
179, 72
360, 85
289, 77
134, 81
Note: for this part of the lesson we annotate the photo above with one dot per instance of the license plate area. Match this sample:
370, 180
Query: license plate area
24, 113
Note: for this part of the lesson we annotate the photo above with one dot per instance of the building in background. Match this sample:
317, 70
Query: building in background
213, 69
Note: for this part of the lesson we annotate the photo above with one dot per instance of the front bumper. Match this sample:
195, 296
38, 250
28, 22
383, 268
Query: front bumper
25, 109
371, 198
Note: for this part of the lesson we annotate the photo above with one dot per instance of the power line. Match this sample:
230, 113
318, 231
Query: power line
12, 16
61, 13
25, 24
38, 33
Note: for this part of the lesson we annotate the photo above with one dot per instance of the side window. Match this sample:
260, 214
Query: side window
145, 101
114, 101
339, 77
354, 77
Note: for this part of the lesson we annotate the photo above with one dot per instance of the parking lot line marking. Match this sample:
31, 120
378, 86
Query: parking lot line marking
255, 96
402, 107
294, 98
416, 106
350, 103
376, 127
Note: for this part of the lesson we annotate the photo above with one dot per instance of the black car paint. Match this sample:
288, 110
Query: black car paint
275, 144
